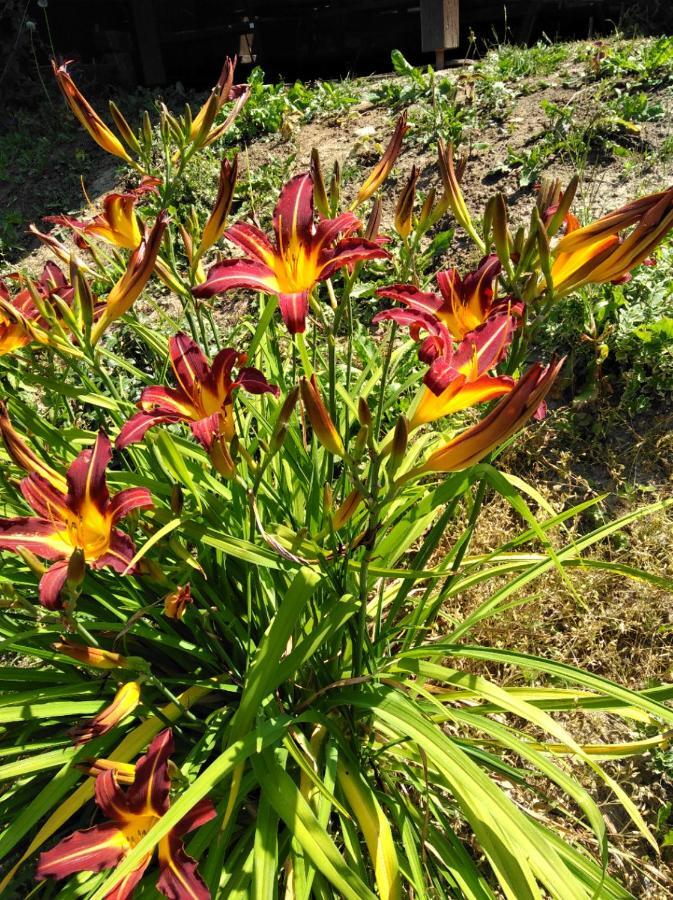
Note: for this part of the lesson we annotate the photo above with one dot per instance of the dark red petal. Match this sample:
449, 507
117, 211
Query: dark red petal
128, 499
251, 240
149, 792
253, 381
294, 309
51, 584
205, 430
137, 426
488, 343
352, 250
100, 847
293, 215
33, 534
110, 798
45, 499
189, 363
86, 476
220, 380
440, 375
119, 554
424, 301
328, 230
178, 878
237, 273
125, 888
198, 815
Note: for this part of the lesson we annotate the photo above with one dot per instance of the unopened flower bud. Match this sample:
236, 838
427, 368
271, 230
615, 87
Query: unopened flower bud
76, 569
95, 657
221, 457
177, 499
364, 413
125, 773
404, 211
320, 419
398, 446
320, 197
347, 509
374, 221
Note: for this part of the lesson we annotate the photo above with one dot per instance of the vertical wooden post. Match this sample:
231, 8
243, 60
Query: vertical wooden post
147, 40
440, 21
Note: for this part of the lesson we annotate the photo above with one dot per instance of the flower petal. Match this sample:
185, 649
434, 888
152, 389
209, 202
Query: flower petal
294, 309
119, 554
44, 498
198, 815
148, 795
293, 215
137, 426
252, 241
424, 301
111, 798
205, 430
52, 583
349, 251
128, 499
167, 402
40, 536
124, 890
237, 273
189, 363
86, 477
91, 850
254, 382
178, 878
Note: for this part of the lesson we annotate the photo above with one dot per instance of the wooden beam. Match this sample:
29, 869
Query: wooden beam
439, 25
146, 33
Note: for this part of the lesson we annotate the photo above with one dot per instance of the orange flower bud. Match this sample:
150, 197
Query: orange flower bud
176, 603
217, 221
384, 166
347, 510
138, 271
125, 773
404, 211
95, 657
319, 417
125, 701
86, 114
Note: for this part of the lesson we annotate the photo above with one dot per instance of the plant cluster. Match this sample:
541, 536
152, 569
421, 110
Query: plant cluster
230, 562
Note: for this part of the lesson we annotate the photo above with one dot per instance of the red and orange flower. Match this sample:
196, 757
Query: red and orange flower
302, 255
74, 513
20, 319
130, 815
463, 305
204, 397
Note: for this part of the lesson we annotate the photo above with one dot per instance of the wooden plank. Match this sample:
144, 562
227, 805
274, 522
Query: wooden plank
439, 24
146, 33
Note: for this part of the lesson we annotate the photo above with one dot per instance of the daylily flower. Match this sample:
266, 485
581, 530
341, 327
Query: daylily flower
463, 305
303, 253
204, 398
464, 381
117, 224
20, 320
130, 815
125, 701
598, 252
74, 513
176, 603
201, 131
384, 166
131, 284
86, 114
470, 446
